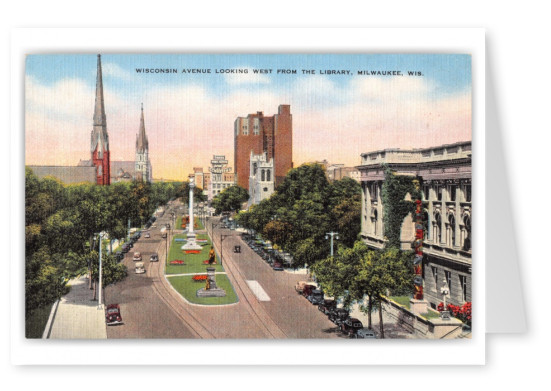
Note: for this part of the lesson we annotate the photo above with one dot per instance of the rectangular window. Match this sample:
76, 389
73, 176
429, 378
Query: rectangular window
426, 192
451, 190
468, 193
435, 277
439, 192
448, 276
463, 281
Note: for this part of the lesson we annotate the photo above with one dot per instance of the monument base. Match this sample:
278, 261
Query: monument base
418, 307
211, 292
191, 244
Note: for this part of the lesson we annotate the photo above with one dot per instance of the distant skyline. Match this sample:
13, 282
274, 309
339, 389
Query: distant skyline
190, 116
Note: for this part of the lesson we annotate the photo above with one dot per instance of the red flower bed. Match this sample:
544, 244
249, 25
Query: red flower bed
177, 262
192, 251
463, 313
199, 277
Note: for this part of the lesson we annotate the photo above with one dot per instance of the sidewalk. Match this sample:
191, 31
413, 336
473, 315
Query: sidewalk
77, 316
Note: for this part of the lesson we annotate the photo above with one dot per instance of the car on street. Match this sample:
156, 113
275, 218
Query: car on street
299, 286
163, 235
277, 265
147, 235
113, 315
327, 305
307, 290
154, 257
137, 256
316, 297
125, 248
139, 268
365, 333
350, 326
338, 315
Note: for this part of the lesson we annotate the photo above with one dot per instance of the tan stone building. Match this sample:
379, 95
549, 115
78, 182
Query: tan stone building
445, 175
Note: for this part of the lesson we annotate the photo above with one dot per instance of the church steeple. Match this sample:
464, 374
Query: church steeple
141, 142
99, 146
99, 110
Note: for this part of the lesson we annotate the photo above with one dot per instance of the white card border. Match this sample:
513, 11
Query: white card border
244, 40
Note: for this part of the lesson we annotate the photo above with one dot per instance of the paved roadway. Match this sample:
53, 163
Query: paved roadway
151, 308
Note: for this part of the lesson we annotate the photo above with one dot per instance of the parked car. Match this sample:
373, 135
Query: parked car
350, 326
339, 315
163, 235
125, 248
154, 257
307, 290
139, 268
113, 315
147, 235
299, 286
277, 265
316, 297
327, 305
365, 333
137, 256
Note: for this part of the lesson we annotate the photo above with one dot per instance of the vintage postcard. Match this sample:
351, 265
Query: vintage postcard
248, 196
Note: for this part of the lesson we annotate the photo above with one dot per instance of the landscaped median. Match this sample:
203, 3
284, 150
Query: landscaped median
185, 268
198, 224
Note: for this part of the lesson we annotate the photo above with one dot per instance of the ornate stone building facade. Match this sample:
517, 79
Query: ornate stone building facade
445, 174
261, 178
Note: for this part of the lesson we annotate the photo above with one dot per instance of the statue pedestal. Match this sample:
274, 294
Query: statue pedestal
418, 307
211, 290
191, 243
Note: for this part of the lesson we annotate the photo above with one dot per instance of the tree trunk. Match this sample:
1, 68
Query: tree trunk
381, 327
369, 309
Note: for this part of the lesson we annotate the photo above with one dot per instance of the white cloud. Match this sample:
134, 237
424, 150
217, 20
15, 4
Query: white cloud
114, 70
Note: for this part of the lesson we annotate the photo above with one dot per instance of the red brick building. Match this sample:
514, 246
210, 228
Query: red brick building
259, 134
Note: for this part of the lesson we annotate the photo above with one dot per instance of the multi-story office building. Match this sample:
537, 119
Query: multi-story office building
257, 133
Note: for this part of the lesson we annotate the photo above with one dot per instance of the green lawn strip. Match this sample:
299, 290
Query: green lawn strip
402, 300
188, 289
193, 262
431, 314
35, 323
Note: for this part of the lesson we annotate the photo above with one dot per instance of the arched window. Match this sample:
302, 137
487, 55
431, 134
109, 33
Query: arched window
451, 230
268, 175
467, 240
263, 175
425, 224
255, 168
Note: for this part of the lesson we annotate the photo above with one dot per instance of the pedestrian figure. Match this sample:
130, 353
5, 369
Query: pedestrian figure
212, 256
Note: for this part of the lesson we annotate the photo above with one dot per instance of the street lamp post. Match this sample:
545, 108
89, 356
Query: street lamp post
100, 272
332, 234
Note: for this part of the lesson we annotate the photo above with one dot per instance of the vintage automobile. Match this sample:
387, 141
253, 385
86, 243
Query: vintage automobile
154, 257
277, 265
338, 315
137, 256
113, 315
316, 297
350, 326
299, 286
139, 268
163, 235
125, 248
365, 333
308, 289
147, 235
327, 305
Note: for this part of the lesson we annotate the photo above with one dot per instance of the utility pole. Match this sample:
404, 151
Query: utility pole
100, 272
332, 234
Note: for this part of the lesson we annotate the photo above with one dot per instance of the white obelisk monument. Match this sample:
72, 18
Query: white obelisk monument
191, 243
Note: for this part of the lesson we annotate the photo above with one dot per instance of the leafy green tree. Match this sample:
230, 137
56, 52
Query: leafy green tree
348, 219
111, 271
230, 199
